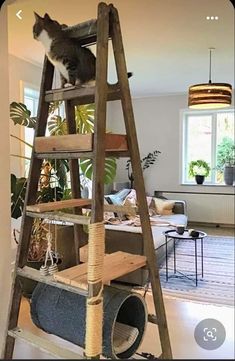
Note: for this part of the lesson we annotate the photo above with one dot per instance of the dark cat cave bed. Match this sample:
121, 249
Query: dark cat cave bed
63, 314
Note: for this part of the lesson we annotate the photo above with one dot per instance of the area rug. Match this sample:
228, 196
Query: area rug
217, 286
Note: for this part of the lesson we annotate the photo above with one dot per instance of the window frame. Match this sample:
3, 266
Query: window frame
24, 85
184, 116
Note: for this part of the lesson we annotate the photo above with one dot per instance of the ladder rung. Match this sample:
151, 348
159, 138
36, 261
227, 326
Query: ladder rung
52, 206
152, 319
116, 265
79, 143
80, 95
78, 155
44, 344
61, 216
33, 274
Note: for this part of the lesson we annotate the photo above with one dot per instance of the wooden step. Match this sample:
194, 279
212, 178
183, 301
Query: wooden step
52, 206
44, 344
33, 274
80, 155
61, 216
79, 143
115, 265
80, 95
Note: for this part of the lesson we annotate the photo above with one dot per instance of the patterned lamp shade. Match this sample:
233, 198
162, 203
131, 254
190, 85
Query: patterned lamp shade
210, 95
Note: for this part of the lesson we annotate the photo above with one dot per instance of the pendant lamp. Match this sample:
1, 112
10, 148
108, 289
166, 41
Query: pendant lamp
210, 95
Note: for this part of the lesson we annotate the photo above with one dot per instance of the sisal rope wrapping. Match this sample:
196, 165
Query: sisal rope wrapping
94, 329
95, 252
94, 313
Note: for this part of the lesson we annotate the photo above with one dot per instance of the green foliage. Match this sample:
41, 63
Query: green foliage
21, 115
49, 194
146, 162
110, 169
225, 153
57, 125
18, 190
84, 117
199, 167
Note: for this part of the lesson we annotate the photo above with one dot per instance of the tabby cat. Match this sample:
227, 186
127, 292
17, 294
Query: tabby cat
75, 63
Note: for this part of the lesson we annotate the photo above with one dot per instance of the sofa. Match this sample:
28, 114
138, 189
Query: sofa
129, 239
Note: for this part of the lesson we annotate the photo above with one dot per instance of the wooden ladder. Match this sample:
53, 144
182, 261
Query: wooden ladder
95, 146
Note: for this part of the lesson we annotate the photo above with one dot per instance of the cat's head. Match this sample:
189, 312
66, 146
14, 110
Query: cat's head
52, 27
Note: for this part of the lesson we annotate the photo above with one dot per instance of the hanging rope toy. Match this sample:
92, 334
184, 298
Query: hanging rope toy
53, 268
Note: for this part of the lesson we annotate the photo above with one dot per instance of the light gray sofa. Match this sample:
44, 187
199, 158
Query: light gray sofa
130, 239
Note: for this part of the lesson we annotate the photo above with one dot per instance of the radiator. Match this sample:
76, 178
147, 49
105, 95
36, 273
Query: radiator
208, 208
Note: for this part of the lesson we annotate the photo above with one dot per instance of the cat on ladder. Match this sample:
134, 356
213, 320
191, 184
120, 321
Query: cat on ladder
76, 64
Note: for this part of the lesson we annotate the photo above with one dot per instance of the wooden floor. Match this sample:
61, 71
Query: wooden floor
182, 319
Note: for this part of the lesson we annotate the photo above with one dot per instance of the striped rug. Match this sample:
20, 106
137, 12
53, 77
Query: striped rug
217, 286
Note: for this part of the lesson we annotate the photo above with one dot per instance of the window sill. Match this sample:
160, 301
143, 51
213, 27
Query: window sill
207, 185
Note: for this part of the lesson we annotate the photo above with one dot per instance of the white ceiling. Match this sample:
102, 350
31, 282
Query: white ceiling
166, 41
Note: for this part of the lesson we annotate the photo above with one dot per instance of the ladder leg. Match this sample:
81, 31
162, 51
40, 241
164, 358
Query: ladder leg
139, 182
75, 179
95, 298
30, 198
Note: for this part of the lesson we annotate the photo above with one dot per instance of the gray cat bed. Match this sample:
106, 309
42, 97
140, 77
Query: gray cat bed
63, 314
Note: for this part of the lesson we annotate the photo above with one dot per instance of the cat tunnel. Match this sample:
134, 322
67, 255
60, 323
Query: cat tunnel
63, 314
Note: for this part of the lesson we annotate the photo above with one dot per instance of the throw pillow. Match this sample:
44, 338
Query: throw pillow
163, 207
117, 198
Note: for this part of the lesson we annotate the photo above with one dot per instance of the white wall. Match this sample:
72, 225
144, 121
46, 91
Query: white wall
158, 127
20, 71
5, 218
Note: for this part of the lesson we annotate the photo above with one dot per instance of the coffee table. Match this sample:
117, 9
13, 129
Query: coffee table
172, 234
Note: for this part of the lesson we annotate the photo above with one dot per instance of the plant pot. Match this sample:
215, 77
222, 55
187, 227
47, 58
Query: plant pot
199, 179
229, 175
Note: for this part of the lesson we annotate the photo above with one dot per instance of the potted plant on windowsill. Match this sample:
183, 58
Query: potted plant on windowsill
226, 160
199, 169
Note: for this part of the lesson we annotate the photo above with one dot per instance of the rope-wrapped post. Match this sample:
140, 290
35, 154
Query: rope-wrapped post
94, 313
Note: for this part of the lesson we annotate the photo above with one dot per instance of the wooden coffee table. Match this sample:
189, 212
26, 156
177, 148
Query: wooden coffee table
173, 235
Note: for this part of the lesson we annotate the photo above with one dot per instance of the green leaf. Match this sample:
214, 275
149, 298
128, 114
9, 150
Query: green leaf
84, 117
50, 194
57, 125
21, 115
18, 190
54, 106
109, 171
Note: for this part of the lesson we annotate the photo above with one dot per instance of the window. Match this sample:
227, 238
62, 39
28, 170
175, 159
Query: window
31, 96
30, 99
202, 133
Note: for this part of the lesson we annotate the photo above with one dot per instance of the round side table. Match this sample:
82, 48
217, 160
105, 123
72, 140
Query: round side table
172, 234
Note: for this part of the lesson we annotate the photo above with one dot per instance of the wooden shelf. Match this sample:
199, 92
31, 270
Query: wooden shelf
44, 344
33, 274
115, 265
81, 95
79, 143
80, 155
52, 206
61, 216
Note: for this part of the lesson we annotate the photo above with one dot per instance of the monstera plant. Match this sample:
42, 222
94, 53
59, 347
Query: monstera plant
53, 184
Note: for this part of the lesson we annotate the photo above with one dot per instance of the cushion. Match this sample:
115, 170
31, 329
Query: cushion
162, 206
117, 198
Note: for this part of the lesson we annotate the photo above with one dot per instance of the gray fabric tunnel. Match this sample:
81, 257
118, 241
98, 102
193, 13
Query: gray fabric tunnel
63, 313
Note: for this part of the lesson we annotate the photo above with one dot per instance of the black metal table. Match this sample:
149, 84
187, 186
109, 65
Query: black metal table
172, 234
